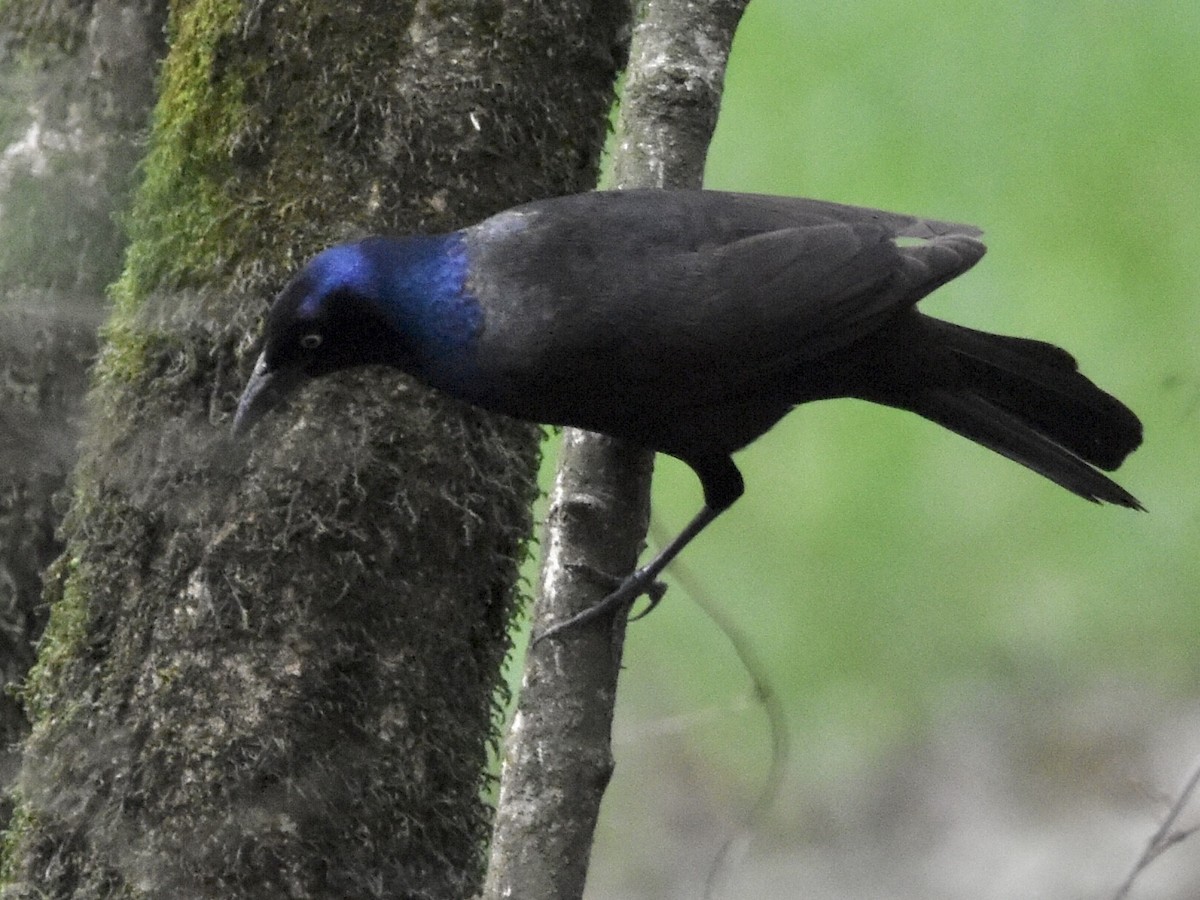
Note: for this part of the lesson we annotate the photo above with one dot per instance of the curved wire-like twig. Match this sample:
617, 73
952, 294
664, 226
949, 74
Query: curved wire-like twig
764, 693
1166, 836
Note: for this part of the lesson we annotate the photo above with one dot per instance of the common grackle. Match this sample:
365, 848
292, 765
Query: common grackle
690, 322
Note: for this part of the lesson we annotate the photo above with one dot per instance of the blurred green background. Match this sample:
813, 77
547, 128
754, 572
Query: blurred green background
891, 575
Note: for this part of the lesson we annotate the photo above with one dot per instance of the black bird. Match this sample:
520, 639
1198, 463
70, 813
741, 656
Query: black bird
690, 322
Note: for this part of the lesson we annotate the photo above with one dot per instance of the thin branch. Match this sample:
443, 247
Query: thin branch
1166, 836
558, 756
766, 695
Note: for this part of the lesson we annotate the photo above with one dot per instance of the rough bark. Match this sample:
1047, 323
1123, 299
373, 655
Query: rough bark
77, 89
271, 671
558, 757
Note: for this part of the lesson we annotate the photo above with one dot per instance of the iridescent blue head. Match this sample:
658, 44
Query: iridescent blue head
392, 301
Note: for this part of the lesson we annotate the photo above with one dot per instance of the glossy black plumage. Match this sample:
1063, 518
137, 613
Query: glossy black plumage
690, 322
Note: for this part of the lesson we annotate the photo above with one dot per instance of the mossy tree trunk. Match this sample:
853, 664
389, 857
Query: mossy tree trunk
271, 671
76, 87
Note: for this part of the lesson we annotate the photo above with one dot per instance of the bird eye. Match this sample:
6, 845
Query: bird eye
310, 341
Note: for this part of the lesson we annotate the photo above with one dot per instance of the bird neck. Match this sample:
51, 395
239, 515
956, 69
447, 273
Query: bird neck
420, 284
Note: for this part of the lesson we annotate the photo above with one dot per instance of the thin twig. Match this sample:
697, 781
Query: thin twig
764, 693
1165, 836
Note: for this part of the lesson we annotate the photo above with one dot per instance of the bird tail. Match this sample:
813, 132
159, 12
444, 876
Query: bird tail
1027, 400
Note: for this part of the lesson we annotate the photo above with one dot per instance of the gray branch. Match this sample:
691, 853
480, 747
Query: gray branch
558, 756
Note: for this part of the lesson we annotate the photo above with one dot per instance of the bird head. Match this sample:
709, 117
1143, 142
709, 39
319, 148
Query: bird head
333, 315
398, 302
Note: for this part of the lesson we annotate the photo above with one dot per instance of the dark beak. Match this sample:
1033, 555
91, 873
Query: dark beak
264, 391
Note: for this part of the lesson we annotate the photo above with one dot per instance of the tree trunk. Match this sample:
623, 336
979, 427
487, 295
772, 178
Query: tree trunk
77, 90
271, 671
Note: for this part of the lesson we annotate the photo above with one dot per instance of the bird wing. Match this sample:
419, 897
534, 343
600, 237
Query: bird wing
689, 298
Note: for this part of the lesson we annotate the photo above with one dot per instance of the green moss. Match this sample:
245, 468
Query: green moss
183, 223
186, 222
124, 353
67, 591
22, 821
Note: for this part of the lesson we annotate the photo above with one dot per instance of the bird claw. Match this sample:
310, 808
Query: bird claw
654, 592
653, 589
626, 591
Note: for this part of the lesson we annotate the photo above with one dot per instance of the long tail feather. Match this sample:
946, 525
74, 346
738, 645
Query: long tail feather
1028, 401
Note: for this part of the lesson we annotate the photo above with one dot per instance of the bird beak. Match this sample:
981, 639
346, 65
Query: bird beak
264, 391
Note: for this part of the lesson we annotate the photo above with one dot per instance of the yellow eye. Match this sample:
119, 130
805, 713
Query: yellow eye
310, 341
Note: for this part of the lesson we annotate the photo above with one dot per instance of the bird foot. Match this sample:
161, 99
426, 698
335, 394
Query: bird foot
641, 582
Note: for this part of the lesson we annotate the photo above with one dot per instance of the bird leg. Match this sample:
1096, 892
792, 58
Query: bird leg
642, 581
654, 591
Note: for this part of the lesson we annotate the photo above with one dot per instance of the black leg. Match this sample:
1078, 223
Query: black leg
642, 581
654, 591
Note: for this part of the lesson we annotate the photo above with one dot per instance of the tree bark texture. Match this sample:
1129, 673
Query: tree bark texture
558, 756
271, 670
77, 90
